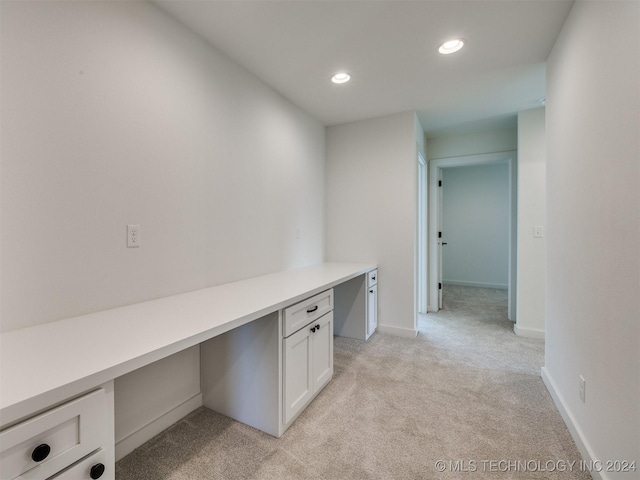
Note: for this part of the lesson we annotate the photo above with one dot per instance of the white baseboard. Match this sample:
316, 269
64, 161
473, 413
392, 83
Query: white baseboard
129, 443
463, 283
581, 442
398, 331
528, 332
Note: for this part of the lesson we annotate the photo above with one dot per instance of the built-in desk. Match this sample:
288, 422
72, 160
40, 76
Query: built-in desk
44, 367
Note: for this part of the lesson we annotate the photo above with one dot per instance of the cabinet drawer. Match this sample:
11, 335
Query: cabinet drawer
372, 278
91, 468
297, 316
42, 446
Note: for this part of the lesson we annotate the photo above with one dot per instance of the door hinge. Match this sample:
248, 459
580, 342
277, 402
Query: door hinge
439, 183
439, 286
439, 234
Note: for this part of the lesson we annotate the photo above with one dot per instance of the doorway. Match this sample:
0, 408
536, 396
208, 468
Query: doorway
436, 239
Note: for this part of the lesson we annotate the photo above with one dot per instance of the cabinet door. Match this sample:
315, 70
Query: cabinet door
322, 351
372, 310
297, 364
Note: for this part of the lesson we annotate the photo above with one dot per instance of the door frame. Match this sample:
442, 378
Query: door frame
435, 208
422, 240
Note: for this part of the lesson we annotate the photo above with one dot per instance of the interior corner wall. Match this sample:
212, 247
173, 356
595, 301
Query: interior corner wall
114, 113
371, 208
475, 225
532, 153
593, 219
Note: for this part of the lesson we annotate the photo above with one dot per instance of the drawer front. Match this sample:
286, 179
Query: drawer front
42, 446
93, 467
372, 278
297, 316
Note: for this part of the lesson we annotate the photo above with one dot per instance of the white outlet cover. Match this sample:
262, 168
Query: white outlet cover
133, 236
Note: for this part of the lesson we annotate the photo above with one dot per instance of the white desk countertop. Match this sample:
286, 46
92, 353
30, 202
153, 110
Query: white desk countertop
46, 364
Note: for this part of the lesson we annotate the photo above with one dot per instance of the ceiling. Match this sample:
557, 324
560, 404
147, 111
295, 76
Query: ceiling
390, 49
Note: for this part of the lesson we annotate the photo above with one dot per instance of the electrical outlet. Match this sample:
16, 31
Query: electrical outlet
582, 388
133, 236
537, 231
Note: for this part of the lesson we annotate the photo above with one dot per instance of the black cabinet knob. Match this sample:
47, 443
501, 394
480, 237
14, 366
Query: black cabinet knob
318, 327
370, 291
40, 452
96, 471
313, 329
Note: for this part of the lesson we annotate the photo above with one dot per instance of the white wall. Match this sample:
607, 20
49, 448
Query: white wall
475, 225
112, 114
531, 212
593, 228
475, 143
371, 208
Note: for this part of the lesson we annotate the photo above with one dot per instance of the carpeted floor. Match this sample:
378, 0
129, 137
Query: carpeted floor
466, 392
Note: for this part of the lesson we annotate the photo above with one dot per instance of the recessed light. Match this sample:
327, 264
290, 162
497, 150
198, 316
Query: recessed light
451, 46
341, 77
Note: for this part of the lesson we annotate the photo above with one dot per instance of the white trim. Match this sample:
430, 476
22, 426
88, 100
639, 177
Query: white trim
422, 239
510, 158
145, 433
462, 283
581, 442
528, 332
398, 331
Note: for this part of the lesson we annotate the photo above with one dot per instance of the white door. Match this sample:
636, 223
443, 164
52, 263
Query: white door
322, 351
298, 380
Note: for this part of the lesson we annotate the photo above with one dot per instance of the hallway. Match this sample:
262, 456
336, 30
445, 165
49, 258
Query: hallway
467, 391
473, 325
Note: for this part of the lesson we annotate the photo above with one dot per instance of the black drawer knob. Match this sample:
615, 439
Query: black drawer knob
96, 471
41, 452
370, 291
313, 329
318, 327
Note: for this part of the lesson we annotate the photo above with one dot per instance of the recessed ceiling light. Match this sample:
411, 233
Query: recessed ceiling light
341, 77
451, 46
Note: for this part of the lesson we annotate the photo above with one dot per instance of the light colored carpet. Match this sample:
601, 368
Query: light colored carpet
467, 392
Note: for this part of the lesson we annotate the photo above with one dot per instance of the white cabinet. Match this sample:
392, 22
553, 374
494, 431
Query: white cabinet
372, 302
356, 306
372, 310
264, 373
307, 365
51, 442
